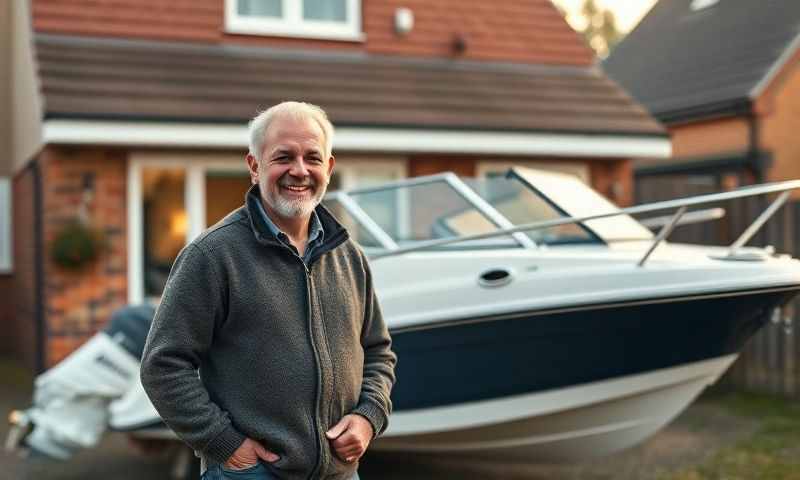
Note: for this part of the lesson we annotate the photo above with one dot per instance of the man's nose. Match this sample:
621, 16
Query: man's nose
299, 168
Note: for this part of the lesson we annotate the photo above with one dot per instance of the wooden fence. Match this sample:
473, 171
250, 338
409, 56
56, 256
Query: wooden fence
770, 362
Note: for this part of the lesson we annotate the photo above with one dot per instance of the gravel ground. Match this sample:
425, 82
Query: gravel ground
695, 435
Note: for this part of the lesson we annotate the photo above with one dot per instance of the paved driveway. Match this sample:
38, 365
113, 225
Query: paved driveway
697, 433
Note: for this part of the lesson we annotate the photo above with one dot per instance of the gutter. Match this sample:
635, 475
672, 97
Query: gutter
361, 139
39, 284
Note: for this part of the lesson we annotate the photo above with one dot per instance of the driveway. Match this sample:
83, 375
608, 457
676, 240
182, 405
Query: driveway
699, 432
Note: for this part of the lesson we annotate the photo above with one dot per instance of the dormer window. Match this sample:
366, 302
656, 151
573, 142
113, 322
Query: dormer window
325, 19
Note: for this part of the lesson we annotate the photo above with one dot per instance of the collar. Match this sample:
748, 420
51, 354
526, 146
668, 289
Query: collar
334, 232
316, 233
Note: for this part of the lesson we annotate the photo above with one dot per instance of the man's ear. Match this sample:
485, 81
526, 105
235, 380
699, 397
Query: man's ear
252, 166
331, 163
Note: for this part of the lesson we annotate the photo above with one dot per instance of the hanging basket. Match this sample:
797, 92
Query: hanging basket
76, 245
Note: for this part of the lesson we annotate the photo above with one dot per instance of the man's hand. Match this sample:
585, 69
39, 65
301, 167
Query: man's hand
350, 437
248, 454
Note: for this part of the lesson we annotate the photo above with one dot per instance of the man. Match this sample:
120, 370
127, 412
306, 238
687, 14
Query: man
274, 308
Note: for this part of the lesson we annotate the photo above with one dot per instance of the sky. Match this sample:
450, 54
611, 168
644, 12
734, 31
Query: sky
627, 12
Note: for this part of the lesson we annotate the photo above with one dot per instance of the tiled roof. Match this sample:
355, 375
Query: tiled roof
683, 64
147, 80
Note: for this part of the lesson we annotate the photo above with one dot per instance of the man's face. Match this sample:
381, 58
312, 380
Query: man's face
293, 172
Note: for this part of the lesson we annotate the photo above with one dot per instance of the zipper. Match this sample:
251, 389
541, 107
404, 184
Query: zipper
318, 393
329, 357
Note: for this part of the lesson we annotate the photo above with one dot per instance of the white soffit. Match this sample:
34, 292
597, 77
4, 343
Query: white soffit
358, 139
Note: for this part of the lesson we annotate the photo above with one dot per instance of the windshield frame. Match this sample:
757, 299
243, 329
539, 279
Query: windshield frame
473, 200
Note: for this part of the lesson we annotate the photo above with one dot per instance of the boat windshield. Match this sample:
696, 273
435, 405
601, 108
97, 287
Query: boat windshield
445, 206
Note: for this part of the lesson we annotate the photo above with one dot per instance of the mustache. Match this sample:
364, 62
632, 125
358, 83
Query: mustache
290, 182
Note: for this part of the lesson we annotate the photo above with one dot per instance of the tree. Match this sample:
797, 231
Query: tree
600, 31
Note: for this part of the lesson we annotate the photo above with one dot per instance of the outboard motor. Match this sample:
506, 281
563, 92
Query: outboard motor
94, 388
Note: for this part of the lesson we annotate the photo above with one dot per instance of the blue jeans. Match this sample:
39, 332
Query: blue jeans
258, 471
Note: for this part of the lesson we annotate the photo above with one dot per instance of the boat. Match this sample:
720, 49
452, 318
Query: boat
533, 319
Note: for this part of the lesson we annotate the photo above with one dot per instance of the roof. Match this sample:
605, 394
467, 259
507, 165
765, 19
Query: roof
98, 78
684, 64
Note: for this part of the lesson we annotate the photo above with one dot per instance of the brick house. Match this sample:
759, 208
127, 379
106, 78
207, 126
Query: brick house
724, 77
142, 124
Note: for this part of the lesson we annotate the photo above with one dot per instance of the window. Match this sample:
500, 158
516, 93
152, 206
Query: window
328, 19
5, 226
173, 197
165, 223
578, 169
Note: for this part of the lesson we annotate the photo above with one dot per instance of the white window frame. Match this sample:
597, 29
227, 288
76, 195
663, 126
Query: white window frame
294, 25
578, 169
349, 170
197, 166
6, 259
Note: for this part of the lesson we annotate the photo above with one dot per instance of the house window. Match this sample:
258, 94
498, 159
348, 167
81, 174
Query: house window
326, 19
578, 169
165, 223
174, 197
5, 226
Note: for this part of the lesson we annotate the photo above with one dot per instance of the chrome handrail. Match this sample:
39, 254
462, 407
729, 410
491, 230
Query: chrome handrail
697, 216
743, 192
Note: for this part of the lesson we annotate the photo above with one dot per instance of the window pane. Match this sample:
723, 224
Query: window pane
325, 10
165, 224
260, 8
224, 193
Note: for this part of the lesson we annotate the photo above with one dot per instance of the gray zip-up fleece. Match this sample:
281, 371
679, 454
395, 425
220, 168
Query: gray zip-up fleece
284, 350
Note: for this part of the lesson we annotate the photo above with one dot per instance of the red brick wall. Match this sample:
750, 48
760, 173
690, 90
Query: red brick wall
425, 165
21, 330
779, 118
528, 31
78, 303
614, 180
712, 137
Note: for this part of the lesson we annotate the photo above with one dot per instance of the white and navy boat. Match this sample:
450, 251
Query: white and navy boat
532, 318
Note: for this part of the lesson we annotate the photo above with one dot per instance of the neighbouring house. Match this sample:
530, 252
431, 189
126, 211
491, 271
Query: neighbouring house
135, 113
724, 77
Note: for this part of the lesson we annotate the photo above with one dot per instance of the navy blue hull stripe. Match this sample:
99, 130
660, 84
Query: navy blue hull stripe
468, 360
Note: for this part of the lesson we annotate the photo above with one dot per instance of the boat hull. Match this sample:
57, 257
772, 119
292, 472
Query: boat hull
541, 357
566, 424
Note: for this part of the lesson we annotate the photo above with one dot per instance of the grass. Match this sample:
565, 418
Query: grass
771, 453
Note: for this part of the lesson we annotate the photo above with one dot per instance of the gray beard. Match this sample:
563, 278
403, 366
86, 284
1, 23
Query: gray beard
296, 208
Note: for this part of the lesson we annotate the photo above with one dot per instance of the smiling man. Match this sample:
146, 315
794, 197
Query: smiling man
274, 308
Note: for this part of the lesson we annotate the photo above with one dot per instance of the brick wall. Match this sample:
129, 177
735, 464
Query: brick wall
21, 328
720, 136
614, 180
779, 118
78, 303
528, 31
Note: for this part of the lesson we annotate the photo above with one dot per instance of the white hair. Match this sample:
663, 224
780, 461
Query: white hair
296, 110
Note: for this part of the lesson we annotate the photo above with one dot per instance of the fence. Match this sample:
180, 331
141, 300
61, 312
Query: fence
770, 362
